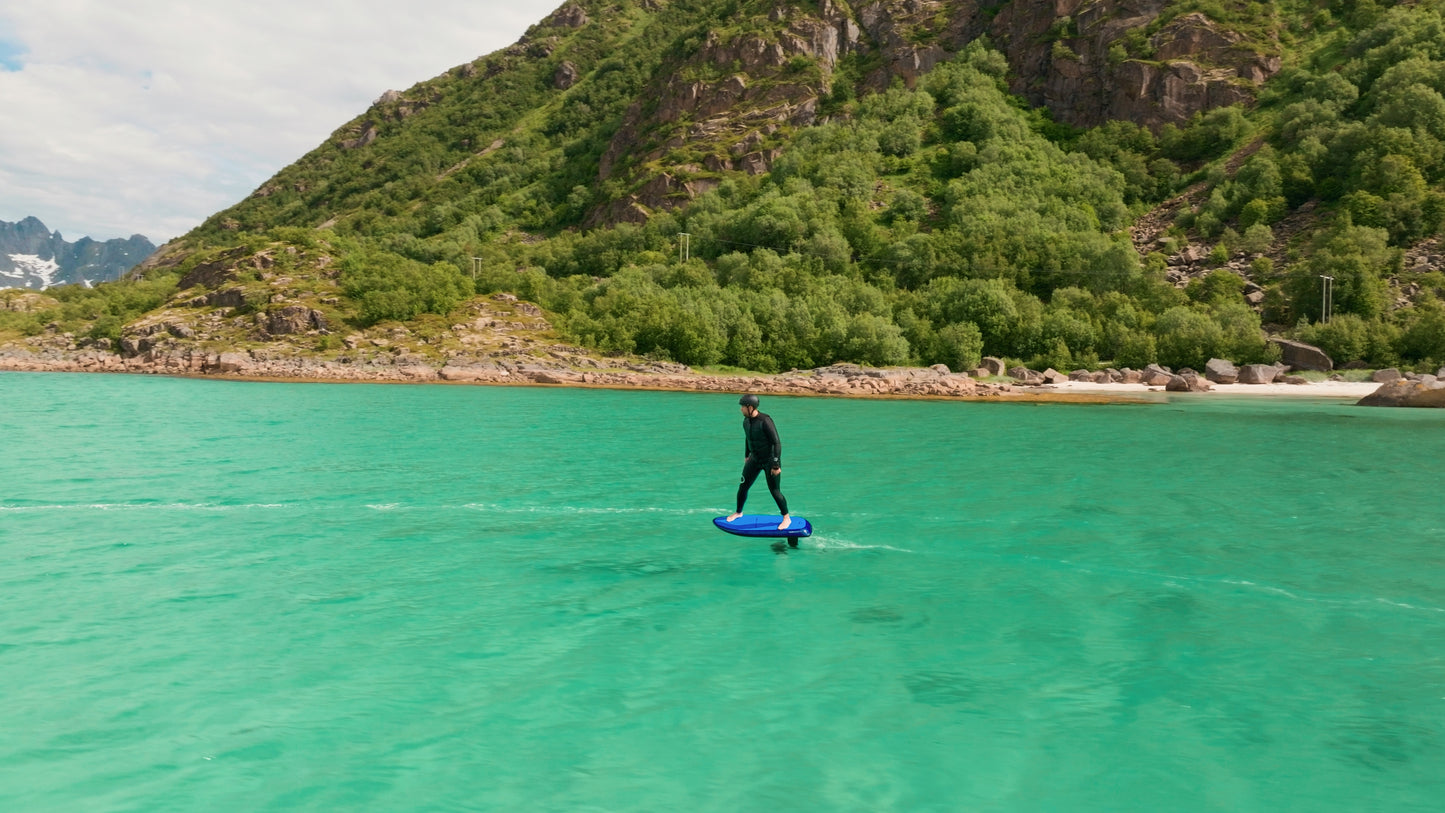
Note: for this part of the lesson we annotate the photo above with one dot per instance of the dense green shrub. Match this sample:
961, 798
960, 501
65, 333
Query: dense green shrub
389, 286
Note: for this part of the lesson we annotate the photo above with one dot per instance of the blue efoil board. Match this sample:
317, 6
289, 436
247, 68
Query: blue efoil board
764, 526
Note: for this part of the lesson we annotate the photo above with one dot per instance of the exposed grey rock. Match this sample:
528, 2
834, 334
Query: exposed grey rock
1386, 375
993, 365
1301, 356
1403, 393
1257, 374
1052, 376
1155, 376
232, 362
1081, 375
1221, 371
1128, 376
1188, 382
1296, 380
229, 298
294, 319
569, 16
566, 76
1026, 376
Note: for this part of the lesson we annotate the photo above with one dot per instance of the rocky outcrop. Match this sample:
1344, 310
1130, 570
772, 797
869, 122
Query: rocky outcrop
294, 319
1155, 376
570, 15
1221, 371
755, 96
566, 76
1257, 374
16, 301
1070, 56
1187, 382
1063, 55
1301, 356
1406, 393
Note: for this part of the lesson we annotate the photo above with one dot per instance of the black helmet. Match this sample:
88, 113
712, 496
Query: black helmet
749, 400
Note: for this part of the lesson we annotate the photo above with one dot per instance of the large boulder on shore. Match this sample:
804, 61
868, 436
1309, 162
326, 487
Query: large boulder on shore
1257, 374
1221, 371
1024, 375
1406, 393
1155, 376
1189, 382
232, 363
993, 365
1301, 356
1386, 375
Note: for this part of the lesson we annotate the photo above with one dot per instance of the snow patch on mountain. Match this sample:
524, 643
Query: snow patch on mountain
30, 271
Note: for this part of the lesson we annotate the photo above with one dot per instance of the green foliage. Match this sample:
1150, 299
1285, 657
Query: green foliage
1135, 153
1369, 130
1219, 287
1208, 135
97, 313
389, 286
1423, 335
1188, 338
1347, 337
1358, 258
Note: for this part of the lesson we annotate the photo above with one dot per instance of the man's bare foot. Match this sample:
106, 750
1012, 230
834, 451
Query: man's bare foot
735, 516
787, 520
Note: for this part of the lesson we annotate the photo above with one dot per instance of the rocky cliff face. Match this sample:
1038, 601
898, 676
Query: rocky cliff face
1076, 62
734, 98
31, 256
1088, 61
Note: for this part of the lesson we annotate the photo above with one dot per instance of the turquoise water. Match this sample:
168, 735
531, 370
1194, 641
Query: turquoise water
253, 597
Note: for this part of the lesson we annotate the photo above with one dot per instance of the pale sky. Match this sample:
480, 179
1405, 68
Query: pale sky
121, 117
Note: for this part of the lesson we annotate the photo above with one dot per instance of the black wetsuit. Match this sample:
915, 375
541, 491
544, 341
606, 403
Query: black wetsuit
764, 453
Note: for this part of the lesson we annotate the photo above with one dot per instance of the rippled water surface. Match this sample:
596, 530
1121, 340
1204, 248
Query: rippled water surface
253, 597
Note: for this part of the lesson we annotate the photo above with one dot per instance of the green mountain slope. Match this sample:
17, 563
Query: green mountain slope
771, 185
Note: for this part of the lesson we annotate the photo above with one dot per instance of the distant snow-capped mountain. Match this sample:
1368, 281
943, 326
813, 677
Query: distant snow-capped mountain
32, 256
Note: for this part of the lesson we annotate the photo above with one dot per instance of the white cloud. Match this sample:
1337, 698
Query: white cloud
147, 116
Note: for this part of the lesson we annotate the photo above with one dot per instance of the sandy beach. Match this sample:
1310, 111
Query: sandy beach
1321, 389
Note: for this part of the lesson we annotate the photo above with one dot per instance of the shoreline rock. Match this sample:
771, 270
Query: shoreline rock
261, 364
1403, 392
565, 366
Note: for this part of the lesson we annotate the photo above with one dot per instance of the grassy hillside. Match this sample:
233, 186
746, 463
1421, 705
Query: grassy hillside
924, 224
